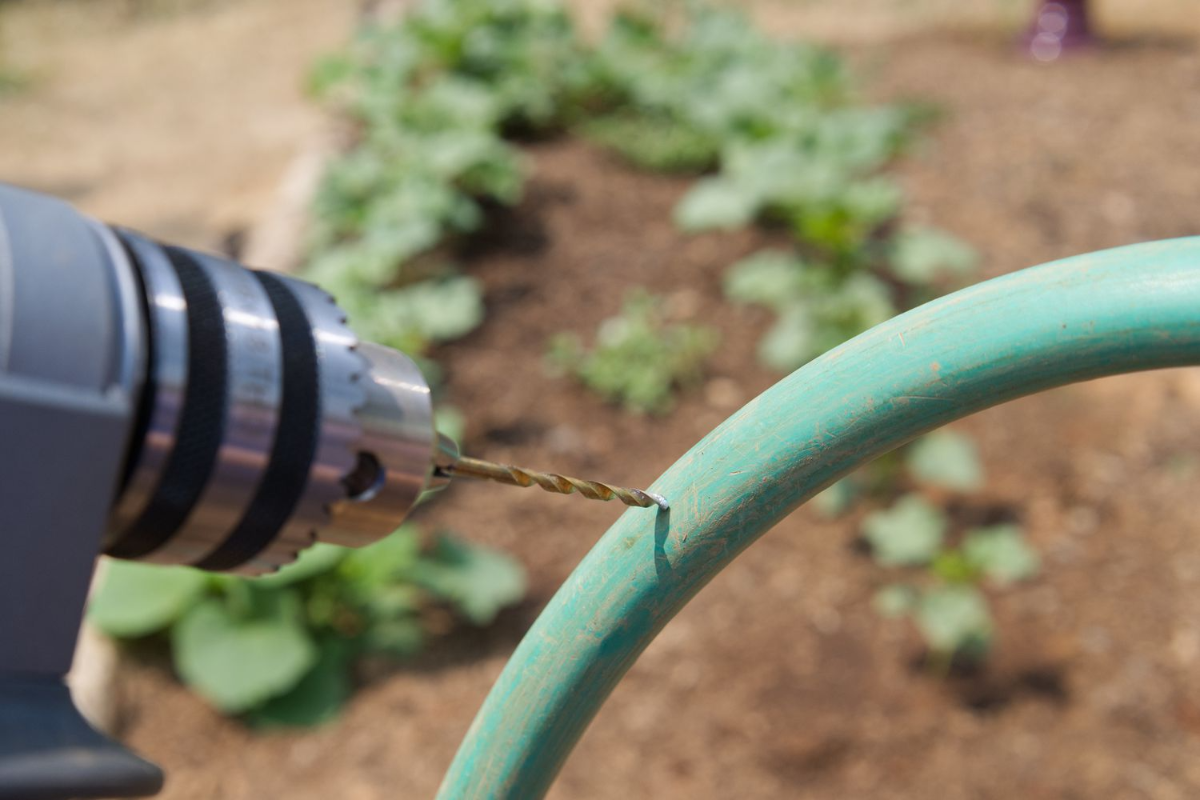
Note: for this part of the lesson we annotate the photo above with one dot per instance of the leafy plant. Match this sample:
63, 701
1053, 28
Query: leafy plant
790, 145
280, 649
817, 310
659, 144
434, 97
947, 460
431, 100
946, 600
639, 358
910, 533
921, 256
819, 306
951, 609
779, 119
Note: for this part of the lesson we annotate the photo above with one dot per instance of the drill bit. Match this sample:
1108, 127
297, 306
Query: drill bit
465, 467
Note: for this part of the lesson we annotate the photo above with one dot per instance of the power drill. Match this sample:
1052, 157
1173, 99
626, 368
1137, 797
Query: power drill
167, 405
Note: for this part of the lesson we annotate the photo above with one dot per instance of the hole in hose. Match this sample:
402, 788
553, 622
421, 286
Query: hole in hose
366, 479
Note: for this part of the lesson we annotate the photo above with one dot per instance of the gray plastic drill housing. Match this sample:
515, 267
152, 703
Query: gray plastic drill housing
72, 347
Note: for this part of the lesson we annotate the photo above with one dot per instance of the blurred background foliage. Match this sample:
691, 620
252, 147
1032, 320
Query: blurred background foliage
434, 108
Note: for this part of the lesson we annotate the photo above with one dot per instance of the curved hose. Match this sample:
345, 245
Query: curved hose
1134, 308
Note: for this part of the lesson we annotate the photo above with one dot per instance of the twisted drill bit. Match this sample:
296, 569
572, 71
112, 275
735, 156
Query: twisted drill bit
465, 467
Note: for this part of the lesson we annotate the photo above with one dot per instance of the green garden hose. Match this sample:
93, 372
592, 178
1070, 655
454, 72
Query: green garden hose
1124, 310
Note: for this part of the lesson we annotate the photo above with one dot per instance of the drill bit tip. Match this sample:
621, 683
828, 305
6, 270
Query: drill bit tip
659, 500
562, 484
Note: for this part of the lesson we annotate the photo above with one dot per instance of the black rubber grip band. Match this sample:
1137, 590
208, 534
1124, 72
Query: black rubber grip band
201, 420
296, 435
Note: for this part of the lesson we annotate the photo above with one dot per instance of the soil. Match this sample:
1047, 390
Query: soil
779, 680
178, 117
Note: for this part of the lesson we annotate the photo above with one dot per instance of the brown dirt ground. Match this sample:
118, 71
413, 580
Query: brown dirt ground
779, 680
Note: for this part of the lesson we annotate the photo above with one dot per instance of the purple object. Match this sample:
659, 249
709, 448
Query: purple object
1059, 26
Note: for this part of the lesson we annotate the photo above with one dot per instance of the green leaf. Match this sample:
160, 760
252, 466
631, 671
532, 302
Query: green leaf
240, 660
909, 533
477, 580
771, 278
791, 342
861, 302
955, 620
1001, 553
383, 564
948, 460
954, 567
716, 203
922, 255
895, 600
402, 637
872, 202
438, 310
639, 359
394, 601
317, 698
313, 561
660, 142
140, 599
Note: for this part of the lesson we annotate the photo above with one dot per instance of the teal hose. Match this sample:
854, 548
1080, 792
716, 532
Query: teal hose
1124, 310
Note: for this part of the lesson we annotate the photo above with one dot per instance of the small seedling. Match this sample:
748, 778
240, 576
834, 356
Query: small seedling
922, 256
639, 359
658, 144
817, 309
949, 607
946, 599
947, 460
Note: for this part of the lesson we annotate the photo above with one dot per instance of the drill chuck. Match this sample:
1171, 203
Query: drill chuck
264, 423
260, 423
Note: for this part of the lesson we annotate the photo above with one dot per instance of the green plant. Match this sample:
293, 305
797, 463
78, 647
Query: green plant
639, 358
792, 146
659, 144
945, 598
280, 649
431, 100
947, 460
950, 609
816, 308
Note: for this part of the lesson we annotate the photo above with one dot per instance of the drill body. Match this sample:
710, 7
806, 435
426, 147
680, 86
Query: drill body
167, 405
